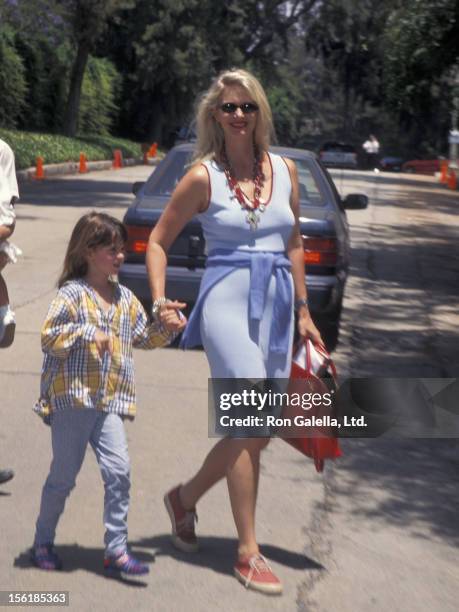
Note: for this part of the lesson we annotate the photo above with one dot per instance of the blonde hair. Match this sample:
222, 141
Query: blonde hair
91, 231
210, 138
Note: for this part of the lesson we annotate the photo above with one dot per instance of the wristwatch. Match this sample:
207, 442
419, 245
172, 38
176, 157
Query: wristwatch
155, 309
301, 302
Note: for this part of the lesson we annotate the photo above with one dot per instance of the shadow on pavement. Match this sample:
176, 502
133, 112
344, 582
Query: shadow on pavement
416, 199
395, 251
218, 553
408, 273
418, 487
76, 557
77, 192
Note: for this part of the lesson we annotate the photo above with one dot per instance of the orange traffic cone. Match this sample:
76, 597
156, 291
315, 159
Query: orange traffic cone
444, 171
153, 150
452, 180
83, 166
117, 159
39, 172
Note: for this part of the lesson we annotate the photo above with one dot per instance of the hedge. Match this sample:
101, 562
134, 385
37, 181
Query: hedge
54, 149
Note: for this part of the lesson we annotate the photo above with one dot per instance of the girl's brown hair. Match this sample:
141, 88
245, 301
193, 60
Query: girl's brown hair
93, 230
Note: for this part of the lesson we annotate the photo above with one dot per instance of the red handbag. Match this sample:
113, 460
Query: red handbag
311, 367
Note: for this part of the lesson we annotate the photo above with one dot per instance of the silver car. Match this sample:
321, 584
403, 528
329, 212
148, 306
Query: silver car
338, 155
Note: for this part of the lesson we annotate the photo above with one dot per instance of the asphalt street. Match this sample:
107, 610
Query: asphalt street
379, 529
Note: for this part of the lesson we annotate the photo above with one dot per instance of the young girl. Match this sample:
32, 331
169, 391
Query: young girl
8, 252
88, 380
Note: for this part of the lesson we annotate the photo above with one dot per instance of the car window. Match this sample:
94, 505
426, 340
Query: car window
310, 194
331, 182
164, 180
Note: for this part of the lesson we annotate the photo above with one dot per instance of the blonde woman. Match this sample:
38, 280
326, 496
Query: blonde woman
247, 202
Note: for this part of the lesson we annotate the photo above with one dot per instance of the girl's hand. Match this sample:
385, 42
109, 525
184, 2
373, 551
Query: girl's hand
103, 342
307, 329
171, 317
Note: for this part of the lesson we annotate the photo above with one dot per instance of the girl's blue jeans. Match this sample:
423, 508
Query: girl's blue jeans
71, 431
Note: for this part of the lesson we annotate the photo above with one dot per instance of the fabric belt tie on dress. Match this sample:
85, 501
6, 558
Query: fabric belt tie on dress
220, 263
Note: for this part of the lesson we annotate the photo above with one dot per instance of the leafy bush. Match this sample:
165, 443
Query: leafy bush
13, 87
57, 149
98, 97
46, 71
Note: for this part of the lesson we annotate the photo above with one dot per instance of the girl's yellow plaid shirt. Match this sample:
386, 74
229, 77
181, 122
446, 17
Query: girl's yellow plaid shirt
73, 373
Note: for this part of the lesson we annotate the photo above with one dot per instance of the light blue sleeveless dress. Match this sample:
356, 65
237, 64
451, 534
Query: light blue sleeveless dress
244, 313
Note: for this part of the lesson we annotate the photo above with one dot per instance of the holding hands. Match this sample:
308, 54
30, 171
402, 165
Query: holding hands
168, 314
171, 317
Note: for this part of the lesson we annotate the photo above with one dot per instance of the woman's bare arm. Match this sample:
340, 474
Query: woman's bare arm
295, 251
189, 198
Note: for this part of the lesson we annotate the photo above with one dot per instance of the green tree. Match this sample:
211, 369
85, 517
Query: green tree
13, 86
42, 39
88, 19
421, 49
46, 71
173, 62
347, 37
168, 51
98, 97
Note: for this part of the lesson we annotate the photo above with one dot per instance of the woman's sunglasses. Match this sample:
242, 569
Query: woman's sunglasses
247, 108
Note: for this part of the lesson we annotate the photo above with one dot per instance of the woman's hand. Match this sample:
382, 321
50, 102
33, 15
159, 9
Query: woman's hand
171, 317
104, 343
306, 327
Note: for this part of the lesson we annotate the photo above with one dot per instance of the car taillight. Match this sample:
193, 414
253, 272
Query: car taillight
137, 241
320, 251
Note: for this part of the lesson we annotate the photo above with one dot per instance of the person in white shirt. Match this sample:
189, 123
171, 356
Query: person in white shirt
371, 148
8, 251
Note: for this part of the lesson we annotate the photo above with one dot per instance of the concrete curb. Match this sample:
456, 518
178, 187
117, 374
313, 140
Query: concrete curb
72, 167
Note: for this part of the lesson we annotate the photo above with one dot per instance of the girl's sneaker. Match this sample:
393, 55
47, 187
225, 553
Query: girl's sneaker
125, 566
45, 558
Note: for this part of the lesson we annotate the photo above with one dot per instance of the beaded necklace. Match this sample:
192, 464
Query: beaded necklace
247, 205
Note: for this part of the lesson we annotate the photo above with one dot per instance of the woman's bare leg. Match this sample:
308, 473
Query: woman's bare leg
212, 470
239, 461
242, 478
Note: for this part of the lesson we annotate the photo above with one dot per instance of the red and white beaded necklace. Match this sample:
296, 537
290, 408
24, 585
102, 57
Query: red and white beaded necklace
248, 205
